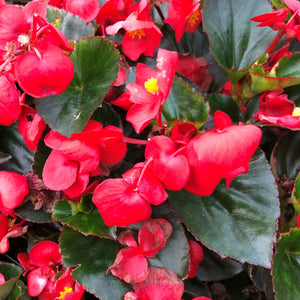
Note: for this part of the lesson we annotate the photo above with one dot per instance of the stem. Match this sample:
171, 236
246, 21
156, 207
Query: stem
159, 12
134, 141
143, 172
275, 41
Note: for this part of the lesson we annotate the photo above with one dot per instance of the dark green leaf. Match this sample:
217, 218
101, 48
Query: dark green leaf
286, 155
215, 268
74, 28
225, 104
240, 222
52, 14
12, 143
263, 280
95, 68
27, 212
92, 256
235, 41
19, 292
286, 266
184, 102
175, 254
11, 274
4, 157
87, 221
106, 115
296, 195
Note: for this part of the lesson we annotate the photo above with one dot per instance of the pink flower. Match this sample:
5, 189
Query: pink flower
126, 201
162, 284
223, 152
276, 109
184, 16
10, 196
142, 35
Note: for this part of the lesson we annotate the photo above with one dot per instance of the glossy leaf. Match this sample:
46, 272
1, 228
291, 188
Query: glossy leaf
183, 102
286, 266
225, 104
11, 273
235, 41
87, 221
19, 292
13, 144
95, 68
92, 256
175, 254
240, 222
28, 212
286, 155
52, 14
74, 28
215, 268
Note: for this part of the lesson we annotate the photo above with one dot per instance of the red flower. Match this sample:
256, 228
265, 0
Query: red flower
68, 289
31, 129
151, 89
170, 166
276, 109
131, 264
162, 284
85, 9
298, 221
42, 263
184, 16
223, 152
9, 102
196, 256
10, 196
126, 201
2, 278
142, 35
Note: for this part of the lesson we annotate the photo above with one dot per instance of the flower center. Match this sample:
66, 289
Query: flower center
140, 33
194, 18
24, 39
296, 112
66, 291
151, 85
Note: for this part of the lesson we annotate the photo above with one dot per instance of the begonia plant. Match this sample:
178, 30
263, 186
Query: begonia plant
149, 149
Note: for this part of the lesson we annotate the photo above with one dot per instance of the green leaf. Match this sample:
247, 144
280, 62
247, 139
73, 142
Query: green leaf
225, 104
235, 41
95, 63
92, 256
184, 102
106, 115
11, 274
286, 155
88, 221
296, 195
287, 74
19, 292
28, 212
215, 268
240, 222
12, 143
52, 14
286, 266
263, 280
74, 28
175, 254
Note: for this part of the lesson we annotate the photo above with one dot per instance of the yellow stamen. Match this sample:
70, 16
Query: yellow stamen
151, 85
66, 291
296, 112
194, 18
140, 33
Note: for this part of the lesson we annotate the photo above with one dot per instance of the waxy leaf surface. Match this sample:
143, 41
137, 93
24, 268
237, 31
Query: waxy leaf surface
92, 256
235, 41
11, 273
286, 266
95, 63
240, 222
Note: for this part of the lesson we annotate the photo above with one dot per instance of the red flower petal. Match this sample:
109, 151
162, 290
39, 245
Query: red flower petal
85, 9
126, 238
3, 225
48, 75
196, 256
36, 282
10, 196
45, 253
130, 265
59, 172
